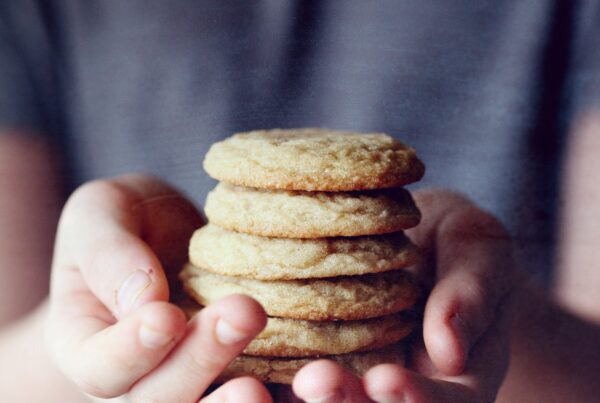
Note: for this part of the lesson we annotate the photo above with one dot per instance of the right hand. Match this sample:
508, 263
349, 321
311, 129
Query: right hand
110, 327
464, 355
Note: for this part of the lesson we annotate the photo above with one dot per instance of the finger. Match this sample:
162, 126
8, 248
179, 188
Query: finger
473, 268
245, 389
101, 233
105, 360
214, 338
474, 273
489, 360
390, 383
479, 383
324, 381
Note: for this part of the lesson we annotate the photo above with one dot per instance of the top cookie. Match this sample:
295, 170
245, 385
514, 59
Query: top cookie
313, 160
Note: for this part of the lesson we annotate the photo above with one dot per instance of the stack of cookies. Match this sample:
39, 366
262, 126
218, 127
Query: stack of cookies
309, 223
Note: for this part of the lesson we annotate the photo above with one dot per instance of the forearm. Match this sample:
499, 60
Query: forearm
30, 202
555, 355
27, 374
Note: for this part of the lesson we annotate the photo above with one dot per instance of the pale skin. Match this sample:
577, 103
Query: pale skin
107, 346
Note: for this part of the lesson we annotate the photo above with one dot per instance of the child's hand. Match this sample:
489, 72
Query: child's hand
465, 331
110, 327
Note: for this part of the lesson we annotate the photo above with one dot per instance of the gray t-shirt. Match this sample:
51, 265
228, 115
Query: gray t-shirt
483, 90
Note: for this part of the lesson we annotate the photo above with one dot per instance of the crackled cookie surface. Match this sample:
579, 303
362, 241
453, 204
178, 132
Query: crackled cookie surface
313, 159
301, 338
338, 298
233, 253
299, 214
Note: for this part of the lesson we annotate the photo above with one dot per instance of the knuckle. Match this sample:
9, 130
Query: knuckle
92, 192
124, 363
89, 204
205, 363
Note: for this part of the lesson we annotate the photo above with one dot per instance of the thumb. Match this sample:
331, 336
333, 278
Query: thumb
101, 237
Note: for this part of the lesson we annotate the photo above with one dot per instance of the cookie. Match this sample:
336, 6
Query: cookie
313, 160
283, 370
233, 253
299, 214
338, 298
300, 338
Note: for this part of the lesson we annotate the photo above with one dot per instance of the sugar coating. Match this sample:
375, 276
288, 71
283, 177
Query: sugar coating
313, 159
299, 214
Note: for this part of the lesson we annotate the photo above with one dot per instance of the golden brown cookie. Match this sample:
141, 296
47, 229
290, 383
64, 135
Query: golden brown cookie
302, 338
298, 214
345, 298
265, 258
282, 370
313, 159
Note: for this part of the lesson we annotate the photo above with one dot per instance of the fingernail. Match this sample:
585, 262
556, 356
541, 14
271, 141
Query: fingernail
227, 334
131, 289
152, 339
335, 397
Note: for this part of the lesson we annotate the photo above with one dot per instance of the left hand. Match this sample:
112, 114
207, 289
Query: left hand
464, 356
110, 327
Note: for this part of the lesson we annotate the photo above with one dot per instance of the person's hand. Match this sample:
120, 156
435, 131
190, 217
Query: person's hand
110, 328
466, 326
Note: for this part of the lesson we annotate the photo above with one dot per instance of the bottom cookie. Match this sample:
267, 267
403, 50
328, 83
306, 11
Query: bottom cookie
283, 370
